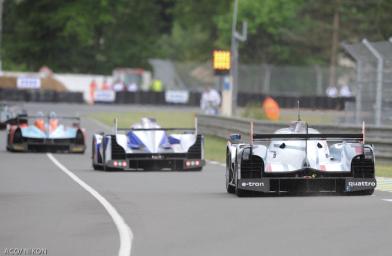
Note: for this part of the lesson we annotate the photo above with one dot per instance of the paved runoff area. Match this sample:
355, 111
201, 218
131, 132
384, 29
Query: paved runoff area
55, 204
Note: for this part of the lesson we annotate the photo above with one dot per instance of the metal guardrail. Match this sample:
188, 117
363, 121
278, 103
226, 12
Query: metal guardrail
40, 96
380, 137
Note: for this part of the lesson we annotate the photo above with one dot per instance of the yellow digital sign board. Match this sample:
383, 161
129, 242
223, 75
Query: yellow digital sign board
221, 61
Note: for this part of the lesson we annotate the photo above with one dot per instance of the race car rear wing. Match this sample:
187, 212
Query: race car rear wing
156, 129
309, 136
23, 118
358, 137
184, 130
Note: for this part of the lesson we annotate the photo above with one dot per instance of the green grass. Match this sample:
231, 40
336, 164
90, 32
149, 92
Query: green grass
215, 148
164, 118
383, 170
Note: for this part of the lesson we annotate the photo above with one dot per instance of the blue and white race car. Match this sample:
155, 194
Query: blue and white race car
46, 134
147, 146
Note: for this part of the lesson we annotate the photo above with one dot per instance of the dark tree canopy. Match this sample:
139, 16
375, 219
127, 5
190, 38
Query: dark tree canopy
96, 36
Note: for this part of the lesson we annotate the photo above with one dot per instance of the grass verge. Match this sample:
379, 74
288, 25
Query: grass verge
383, 170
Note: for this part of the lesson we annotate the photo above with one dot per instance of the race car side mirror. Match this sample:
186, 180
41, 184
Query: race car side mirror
283, 145
235, 138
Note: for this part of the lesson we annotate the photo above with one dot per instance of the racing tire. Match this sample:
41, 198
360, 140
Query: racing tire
367, 192
104, 168
241, 192
196, 169
79, 139
229, 177
18, 136
229, 173
8, 143
97, 167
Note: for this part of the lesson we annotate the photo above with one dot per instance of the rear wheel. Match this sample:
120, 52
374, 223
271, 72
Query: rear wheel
97, 167
79, 138
18, 138
229, 175
367, 192
240, 192
8, 142
229, 178
196, 169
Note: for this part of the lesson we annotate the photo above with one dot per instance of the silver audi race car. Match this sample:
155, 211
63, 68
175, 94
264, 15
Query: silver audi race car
147, 146
299, 159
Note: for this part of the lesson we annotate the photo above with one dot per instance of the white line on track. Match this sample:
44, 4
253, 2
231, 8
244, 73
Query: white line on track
388, 200
126, 235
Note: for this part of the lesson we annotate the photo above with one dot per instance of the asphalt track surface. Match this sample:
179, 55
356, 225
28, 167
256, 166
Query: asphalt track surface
173, 213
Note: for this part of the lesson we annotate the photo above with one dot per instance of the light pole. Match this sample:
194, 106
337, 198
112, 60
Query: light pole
235, 38
1, 34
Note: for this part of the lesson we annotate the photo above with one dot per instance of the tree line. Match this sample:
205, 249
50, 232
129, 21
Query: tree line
95, 36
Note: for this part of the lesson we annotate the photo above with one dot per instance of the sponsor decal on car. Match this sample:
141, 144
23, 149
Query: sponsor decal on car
252, 184
362, 183
355, 184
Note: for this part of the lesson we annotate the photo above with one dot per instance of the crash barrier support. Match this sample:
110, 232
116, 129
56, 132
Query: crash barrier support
313, 102
222, 127
40, 96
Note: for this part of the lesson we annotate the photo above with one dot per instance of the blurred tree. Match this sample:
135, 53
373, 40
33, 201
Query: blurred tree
194, 30
98, 35
268, 24
54, 33
81, 35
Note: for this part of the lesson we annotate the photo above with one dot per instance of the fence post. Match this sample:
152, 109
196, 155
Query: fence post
380, 70
319, 79
267, 79
358, 95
